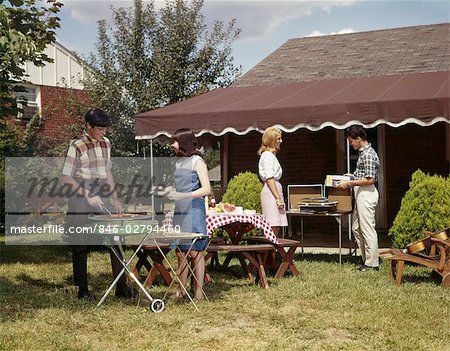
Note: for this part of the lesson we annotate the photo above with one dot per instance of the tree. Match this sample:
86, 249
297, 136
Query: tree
25, 31
150, 58
11, 146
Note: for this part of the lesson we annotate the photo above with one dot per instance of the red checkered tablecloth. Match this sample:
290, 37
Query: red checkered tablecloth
214, 221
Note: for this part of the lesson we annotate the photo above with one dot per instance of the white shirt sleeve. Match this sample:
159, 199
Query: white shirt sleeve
269, 167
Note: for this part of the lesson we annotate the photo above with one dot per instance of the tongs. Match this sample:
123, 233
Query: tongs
103, 207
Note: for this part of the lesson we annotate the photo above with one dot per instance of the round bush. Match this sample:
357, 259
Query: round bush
244, 190
425, 206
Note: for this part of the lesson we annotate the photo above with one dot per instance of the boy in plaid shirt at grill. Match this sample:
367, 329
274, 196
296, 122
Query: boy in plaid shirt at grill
366, 197
87, 168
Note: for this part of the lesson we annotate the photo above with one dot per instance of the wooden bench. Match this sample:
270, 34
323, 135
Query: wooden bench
255, 254
286, 249
157, 258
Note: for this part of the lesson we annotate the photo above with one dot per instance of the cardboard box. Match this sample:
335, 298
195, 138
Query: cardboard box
342, 196
333, 180
297, 193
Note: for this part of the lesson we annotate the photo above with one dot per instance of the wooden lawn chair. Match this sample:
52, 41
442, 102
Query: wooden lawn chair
438, 258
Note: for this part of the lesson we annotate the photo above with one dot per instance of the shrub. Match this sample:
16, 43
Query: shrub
244, 190
425, 206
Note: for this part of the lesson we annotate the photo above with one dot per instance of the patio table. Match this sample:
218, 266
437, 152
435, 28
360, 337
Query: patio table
337, 215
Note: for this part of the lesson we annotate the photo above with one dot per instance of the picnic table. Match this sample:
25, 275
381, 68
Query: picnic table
236, 225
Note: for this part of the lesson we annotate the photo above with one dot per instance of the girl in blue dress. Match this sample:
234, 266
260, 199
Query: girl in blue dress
192, 185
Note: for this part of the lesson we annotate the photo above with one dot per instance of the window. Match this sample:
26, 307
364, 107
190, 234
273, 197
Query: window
31, 96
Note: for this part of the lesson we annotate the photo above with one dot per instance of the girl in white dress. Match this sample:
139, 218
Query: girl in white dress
272, 201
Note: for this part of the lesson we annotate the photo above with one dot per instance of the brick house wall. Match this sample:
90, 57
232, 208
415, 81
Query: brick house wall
62, 112
306, 157
54, 109
409, 148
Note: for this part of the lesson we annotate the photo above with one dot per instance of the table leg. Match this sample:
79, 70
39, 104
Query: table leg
142, 262
339, 220
349, 222
246, 268
227, 260
290, 226
287, 262
301, 233
241, 261
257, 262
349, 219
158, 266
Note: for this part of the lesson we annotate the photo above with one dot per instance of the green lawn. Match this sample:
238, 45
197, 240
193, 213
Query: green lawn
328, 307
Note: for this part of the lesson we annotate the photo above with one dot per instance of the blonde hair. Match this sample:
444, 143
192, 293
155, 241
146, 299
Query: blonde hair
269, 140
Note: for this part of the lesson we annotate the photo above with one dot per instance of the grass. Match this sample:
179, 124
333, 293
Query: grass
328, 307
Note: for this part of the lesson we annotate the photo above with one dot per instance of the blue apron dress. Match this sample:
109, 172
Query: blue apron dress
189, 214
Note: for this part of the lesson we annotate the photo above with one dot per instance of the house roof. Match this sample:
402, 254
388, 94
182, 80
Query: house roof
415, 49
394, 76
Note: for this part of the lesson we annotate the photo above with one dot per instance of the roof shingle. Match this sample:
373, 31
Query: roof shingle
415, 49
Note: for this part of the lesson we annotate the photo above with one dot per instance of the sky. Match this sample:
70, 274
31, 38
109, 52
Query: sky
265, 25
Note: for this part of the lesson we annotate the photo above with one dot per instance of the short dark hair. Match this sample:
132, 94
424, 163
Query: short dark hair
356, 131
97, 118
187, 142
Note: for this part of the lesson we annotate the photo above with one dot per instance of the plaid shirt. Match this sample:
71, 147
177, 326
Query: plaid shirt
368, 164
88, 158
